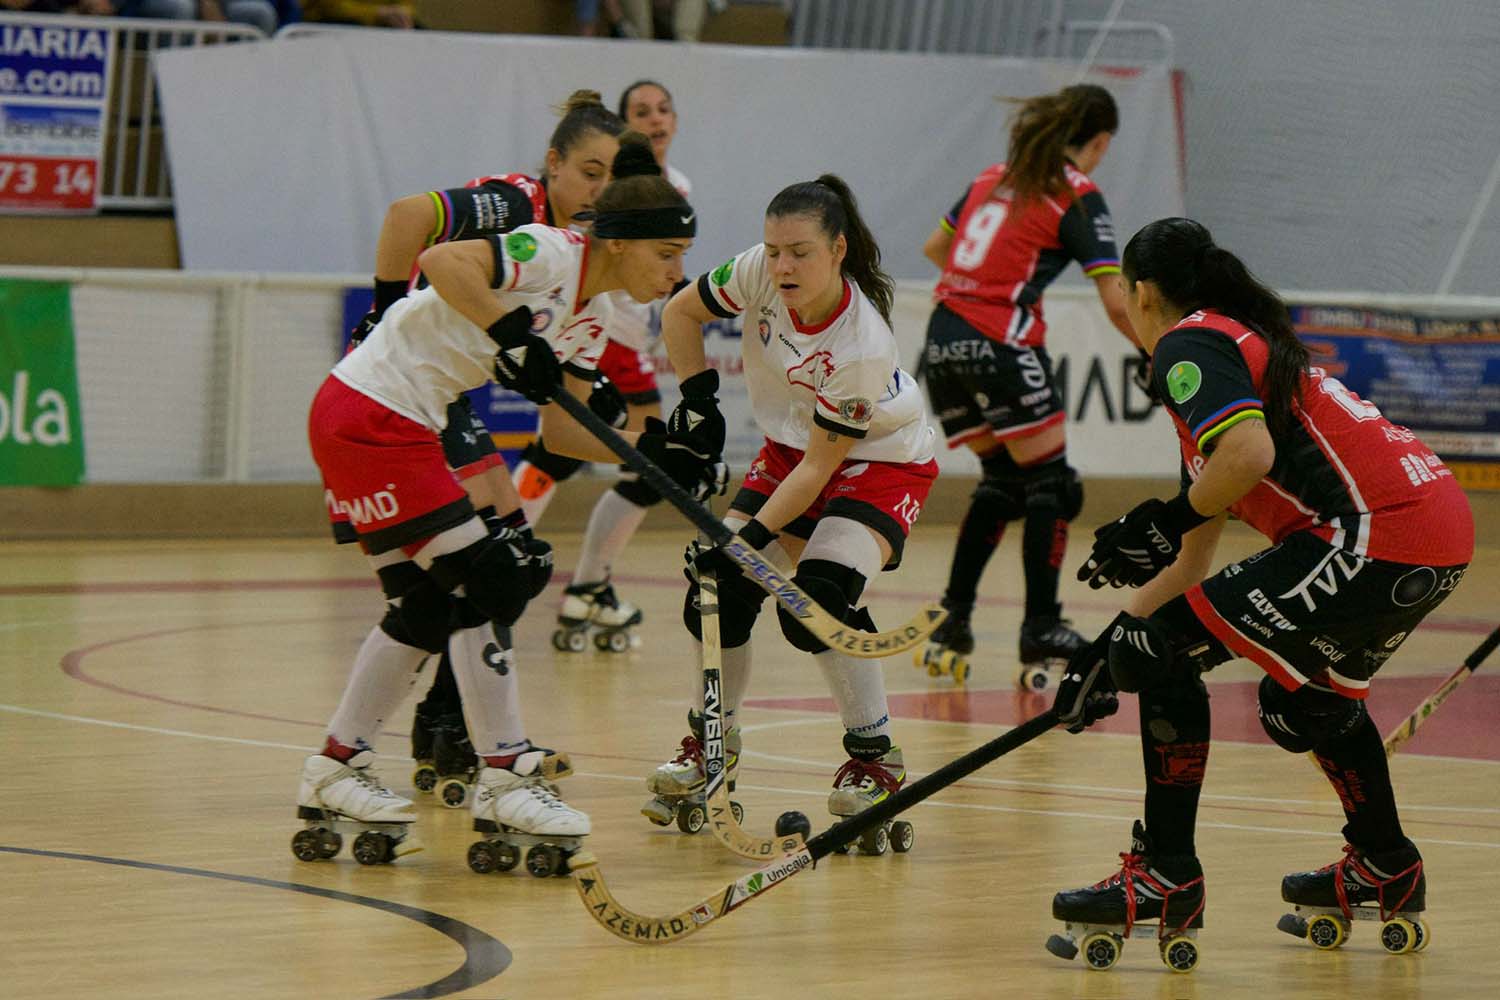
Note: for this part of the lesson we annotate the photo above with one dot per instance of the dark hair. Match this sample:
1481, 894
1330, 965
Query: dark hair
1043, 129
1180, 257
625, 94
829, 200
582, 113
637, 182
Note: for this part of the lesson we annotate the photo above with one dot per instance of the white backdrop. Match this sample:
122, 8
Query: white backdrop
286, 153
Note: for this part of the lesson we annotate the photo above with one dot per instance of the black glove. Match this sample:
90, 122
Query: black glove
608, 404
525, 362
1140, 374
387, 293
533, 555
702, 557
697, 417
1131, 551
702, 475
1087, 691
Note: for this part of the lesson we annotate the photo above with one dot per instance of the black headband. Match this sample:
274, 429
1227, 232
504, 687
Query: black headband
675, 222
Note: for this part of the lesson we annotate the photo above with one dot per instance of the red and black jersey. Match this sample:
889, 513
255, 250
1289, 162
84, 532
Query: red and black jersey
1343, 472
1005, 253
486, 206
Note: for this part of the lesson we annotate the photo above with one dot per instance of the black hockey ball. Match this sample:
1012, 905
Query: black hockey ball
793, 822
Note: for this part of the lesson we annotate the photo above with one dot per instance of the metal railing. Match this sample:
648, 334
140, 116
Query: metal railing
992, 27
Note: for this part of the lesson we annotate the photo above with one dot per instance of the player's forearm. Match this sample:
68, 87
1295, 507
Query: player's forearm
795, 494
566, 436
404, 234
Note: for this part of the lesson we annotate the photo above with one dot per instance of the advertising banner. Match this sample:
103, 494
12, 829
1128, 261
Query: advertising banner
41, 433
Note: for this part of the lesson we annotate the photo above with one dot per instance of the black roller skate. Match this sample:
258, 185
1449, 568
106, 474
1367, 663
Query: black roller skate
1390, 887
1045, 648
1152, 895
948, 648
594, 608
454, 761
873, 773
677, 785
424, 775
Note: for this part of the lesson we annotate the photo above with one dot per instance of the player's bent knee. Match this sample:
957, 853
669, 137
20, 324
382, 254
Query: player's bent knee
416, 607
1307, 718
836, 588
637, 492
489, 573
738, 610
1140, 653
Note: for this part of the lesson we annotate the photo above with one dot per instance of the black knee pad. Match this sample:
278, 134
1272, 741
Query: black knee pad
1309, 717
1002, 484
416, 607
1056, 485
492, 576
556, 466
739, 606
1141, 653
836, 588
637, 492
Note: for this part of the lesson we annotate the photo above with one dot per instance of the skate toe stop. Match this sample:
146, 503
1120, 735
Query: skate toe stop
1064, 948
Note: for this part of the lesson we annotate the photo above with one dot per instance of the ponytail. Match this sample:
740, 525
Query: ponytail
1043, 130
1194, 273
829, 200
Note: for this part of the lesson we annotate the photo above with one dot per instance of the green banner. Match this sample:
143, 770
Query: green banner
41, 426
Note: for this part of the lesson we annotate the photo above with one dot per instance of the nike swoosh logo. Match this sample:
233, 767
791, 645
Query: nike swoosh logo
686, 219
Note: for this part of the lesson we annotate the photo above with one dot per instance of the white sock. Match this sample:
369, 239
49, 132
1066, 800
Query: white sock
384, 670
858, 688
734, 679
484, 666
613, 521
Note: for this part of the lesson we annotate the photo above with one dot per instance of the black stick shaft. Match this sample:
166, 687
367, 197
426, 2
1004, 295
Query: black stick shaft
850, 829
1485, 649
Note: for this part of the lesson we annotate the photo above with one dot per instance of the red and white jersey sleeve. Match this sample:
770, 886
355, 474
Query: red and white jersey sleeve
424, 353
841, 374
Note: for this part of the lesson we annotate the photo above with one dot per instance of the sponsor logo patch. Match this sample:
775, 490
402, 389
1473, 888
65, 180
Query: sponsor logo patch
520, 247
721, 273
1184, 379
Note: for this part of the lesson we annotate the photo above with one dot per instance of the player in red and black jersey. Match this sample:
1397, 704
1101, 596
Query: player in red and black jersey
988, 374
1370, 532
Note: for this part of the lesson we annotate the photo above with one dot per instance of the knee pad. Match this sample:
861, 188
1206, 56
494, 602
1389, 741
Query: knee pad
492, 575
1141, 656
739, 606
416, 607
836, 588
1001, 483
637, 492
1304, 719
556, 466
1055, 484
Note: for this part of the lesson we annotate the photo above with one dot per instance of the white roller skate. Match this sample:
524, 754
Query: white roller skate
516, 807
1046, 645
338, 798
678, 784
594, 608
873, 772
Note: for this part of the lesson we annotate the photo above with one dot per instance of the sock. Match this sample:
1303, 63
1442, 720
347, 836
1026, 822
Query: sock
612, 523
978, 537
1175, 725
858, 688
1044, 540
484, 666
536, 489
384, 670
442, 696
1355, 764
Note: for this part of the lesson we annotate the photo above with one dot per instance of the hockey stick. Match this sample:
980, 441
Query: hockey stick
828, 629
643, 929
1396, 737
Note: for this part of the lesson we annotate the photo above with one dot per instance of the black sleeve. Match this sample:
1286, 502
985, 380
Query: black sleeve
468, 213
710, 303
1202, 376
950, 221
1087, 233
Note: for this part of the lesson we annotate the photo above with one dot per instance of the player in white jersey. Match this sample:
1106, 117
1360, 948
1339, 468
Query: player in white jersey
528, 309
844, 471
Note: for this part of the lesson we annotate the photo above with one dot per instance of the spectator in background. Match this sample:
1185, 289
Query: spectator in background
371, 13
687, 16
257, 13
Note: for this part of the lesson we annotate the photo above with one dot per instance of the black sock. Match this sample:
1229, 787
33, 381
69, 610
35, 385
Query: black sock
1044, 540
1356, 766
978, 536
1174, 748
442, 698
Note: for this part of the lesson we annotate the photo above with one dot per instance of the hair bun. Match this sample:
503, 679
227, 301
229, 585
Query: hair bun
635, 158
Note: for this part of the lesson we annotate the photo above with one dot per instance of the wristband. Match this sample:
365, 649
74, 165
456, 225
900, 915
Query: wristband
756, 535
1182, 513
387, 293
703, 385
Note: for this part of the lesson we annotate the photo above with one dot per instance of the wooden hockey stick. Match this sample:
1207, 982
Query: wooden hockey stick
644, 929
832, 632
1408, 728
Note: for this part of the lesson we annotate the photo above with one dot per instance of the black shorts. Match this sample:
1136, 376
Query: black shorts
1304, 610
981, 388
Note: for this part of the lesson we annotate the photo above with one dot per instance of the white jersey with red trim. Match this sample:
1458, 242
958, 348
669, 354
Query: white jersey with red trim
841, 374
424, 353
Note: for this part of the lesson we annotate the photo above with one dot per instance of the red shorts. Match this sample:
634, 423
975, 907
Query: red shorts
883, 496
382, 473
633, 373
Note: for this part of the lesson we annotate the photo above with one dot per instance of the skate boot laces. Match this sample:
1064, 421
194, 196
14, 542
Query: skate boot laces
863, 775
1134, 875
690, 751
1352, 869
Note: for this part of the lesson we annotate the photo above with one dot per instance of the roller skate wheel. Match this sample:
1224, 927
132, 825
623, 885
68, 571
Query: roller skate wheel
960, 670
1398, 935
577, 641
1063, 947
560, 640
1180, 953
543, 860
305, 845
902, 836
507, 856
329, 844
454, 793
424, 778
738, 811
482, 858
1034, 678
690, 819
919, 658
1424, 935
1102, 951
612, 642
371, 848
1326, 932
874, 842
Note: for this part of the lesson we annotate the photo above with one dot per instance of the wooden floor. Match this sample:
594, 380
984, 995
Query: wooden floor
156, 700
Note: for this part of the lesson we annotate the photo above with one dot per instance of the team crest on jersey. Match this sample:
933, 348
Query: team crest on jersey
764, 330
520, 247
856, 410
1183, 381
540, 320
721, 273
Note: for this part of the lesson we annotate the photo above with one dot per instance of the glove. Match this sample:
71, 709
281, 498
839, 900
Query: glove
608, 404
1140, 374
702, 557
1087, 692
697, 417
533, 555
1131, 551
702, 475
525, 362
387, 293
